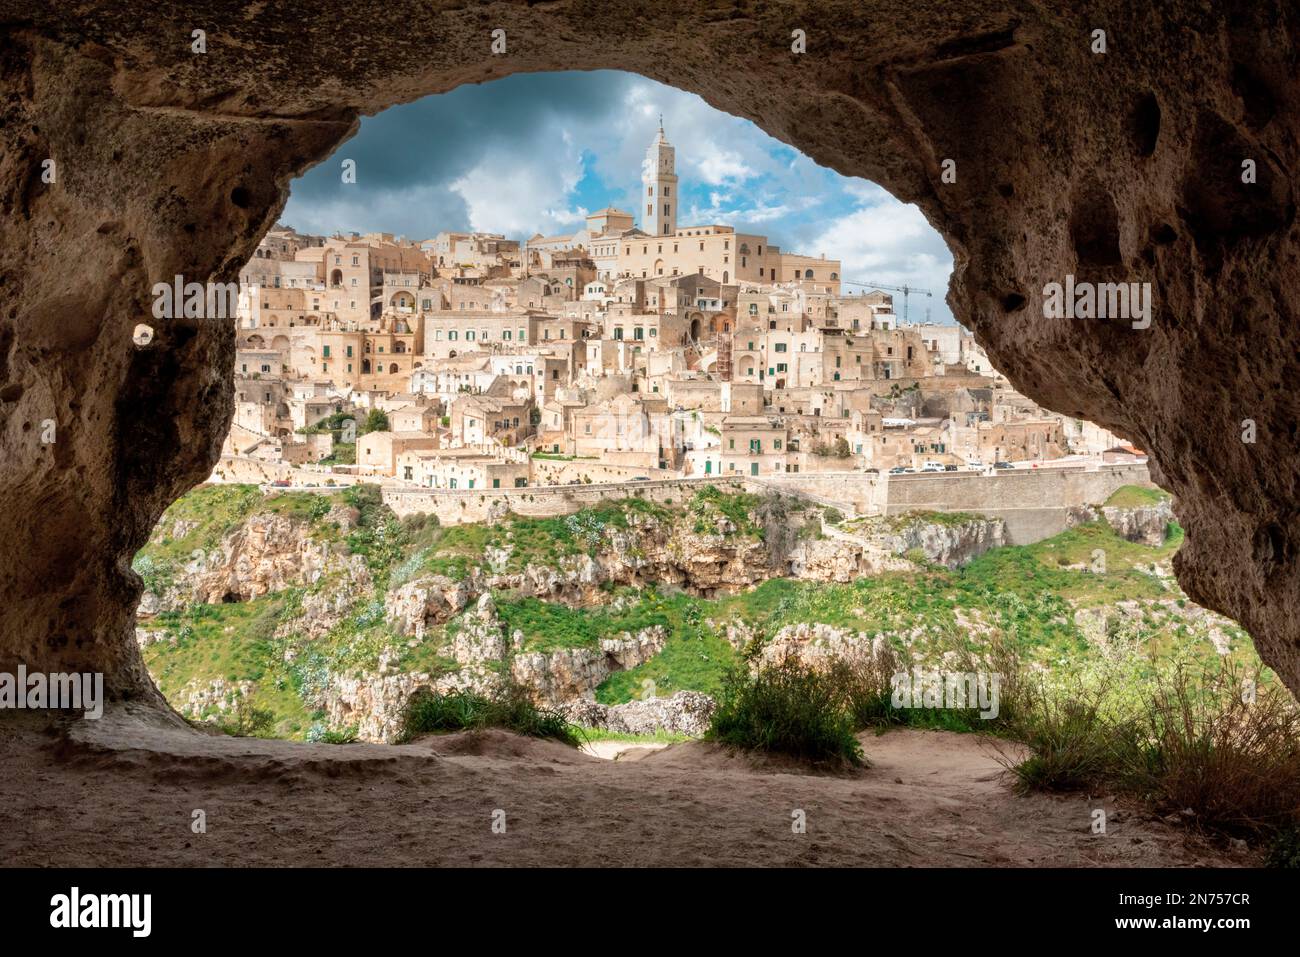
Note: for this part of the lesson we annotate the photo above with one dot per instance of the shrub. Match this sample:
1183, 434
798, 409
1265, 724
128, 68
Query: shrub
510, 708
247, 721
787, 708
319, 734
1070, 744
1199, 746
1191, 744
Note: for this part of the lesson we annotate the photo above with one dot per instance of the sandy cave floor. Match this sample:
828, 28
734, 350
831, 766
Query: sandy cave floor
122, 791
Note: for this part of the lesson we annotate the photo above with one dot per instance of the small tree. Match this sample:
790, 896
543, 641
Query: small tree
842, 450
376, 421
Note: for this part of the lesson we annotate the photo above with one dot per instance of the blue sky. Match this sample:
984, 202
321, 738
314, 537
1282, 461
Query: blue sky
536, 152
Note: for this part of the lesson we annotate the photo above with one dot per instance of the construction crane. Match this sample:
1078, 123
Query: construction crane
905, 290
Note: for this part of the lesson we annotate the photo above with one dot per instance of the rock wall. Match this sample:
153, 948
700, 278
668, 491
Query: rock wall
686, 712
1147, 524
948, 543
1117, 166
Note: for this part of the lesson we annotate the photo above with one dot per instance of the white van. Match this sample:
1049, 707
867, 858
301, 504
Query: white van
931, 466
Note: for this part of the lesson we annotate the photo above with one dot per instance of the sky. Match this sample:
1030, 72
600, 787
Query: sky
534, 153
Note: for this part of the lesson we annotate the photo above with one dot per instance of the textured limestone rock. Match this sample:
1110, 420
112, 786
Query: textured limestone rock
1148, 524
686, 712
946, 543
815, 644
843, 558
1123, 166
263, 554
560, 676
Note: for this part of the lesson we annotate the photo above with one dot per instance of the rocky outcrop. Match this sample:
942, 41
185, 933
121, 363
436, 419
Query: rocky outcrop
1146, 524
842, 559
686, 712
266, 553
650, 551
209, 700
945, 542
558, 677
816, 644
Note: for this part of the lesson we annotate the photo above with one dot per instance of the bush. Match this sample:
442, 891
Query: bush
319, 734
787, 708
510, 709
1192, 745
376, 421
1199, 746
1070, 743
247, 721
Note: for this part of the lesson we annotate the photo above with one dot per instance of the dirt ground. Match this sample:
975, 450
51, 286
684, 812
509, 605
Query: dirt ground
124, 791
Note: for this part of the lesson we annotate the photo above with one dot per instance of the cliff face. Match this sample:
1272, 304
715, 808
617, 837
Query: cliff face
264, 553
947, 542
706, 548
1147, 524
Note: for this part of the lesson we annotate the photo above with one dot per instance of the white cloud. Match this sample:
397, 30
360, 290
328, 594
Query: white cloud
522, 195
890, 243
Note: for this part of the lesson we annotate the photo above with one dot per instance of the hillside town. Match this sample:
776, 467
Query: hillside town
618, 353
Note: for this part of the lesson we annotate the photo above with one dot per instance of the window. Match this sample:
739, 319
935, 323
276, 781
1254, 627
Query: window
349, 352
496, 483
325, 351
776, 445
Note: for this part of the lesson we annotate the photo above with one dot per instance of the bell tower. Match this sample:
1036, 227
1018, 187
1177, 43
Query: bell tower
659, 186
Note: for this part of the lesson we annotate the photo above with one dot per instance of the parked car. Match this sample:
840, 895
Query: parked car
975, 464
898, 470
932, 467
950, 468
281, 483
1003, 465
